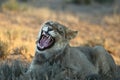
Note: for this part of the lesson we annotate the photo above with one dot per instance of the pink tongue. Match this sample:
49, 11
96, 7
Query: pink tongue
45, 42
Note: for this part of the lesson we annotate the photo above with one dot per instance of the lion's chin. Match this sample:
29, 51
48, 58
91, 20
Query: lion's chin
46, 41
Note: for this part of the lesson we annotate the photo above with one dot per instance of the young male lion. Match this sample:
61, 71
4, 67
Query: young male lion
52, 46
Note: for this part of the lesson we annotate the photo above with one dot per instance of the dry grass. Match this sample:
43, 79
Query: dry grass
4, 49
20, 29
112, 20
17, 40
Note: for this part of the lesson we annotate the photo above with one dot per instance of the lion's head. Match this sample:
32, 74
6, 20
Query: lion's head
53, 37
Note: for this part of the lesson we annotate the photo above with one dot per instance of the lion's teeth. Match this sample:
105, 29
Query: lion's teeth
43, 33
49, 37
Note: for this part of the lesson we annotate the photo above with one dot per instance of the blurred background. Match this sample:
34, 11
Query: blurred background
98, 23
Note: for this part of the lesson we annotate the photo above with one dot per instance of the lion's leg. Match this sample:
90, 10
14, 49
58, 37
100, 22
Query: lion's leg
104, 61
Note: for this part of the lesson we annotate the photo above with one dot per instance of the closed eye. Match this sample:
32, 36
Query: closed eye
60, 31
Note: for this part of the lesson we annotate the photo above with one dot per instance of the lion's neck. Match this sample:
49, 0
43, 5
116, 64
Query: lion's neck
59, 58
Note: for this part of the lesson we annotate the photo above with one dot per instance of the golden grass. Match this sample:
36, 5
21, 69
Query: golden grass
112, 20
20, 30
19, 39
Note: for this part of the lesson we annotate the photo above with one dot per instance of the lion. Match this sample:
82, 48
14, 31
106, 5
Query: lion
52, 46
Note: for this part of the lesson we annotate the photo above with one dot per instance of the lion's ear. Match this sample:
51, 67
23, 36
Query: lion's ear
70, 34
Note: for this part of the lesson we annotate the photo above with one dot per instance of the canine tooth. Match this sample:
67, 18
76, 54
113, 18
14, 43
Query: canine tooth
49, 37
43, 32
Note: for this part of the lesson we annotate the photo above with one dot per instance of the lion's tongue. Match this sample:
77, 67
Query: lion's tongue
45, 42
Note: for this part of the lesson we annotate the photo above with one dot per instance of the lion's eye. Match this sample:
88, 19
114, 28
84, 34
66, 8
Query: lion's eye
60, 30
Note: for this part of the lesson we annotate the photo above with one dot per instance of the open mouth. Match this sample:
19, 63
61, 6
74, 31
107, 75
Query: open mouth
46, 41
